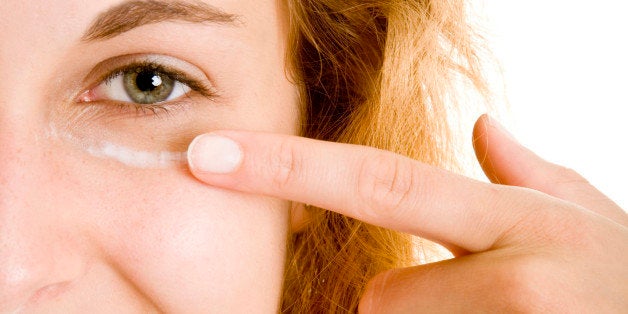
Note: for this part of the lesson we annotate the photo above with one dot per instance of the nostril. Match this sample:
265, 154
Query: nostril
49, 292
27, 277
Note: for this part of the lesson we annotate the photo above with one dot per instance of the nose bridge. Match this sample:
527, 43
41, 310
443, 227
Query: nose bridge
22, 111
24, 60
35, 254
38, 252
21, 155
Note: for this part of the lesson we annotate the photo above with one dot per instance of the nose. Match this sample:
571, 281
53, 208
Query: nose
38, 254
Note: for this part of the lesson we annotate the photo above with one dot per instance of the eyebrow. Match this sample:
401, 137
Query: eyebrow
132, 14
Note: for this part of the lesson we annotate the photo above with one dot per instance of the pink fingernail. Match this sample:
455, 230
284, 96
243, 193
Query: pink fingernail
212, 153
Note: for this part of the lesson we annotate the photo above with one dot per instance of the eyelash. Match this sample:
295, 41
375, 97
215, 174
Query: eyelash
154, 108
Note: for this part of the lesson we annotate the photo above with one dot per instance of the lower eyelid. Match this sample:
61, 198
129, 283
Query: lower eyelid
108, 111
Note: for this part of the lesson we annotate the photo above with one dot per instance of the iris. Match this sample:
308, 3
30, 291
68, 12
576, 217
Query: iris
148, 86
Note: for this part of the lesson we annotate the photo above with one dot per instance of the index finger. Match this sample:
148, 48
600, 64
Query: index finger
375, 186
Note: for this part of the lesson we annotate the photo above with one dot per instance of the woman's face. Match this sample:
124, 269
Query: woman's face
98, 212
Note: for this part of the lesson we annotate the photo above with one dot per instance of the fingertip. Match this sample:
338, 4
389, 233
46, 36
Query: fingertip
481, 147
497, 126
482, 120
488, 130
480, 132
502, 157
211, 153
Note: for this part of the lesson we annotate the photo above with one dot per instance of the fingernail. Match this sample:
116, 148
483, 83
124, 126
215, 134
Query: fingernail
212, 153
499, 127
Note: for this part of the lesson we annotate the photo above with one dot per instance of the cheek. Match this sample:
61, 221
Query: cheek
183, 244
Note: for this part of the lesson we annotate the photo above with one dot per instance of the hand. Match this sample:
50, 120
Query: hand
544, 240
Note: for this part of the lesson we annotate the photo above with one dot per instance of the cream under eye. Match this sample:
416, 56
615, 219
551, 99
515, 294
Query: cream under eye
108, 117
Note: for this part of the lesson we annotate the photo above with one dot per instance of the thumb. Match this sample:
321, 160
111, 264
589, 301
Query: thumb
506, 161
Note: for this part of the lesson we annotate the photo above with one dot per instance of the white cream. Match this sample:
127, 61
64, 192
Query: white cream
137, 158
122, 154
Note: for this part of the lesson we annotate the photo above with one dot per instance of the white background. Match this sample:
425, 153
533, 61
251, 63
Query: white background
565, 66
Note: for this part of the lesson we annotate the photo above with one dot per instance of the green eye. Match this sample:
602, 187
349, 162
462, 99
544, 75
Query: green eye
148, 87
142, 85
147, 84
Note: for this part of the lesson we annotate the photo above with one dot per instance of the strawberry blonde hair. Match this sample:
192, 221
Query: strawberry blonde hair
379, 73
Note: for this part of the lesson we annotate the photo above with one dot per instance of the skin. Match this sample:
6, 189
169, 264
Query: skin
162, 241
83, 234
544, 240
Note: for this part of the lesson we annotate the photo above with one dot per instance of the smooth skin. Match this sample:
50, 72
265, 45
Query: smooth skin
85, 234
542, 240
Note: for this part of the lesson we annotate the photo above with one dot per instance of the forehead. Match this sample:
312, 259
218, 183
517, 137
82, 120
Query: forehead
35, 35
49, 23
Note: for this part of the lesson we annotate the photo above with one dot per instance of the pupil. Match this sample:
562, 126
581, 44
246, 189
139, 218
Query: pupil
147, 81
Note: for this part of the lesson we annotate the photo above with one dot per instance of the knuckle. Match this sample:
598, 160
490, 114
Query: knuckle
386, 185
570, 229
285, 164
564, 176
519, 282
